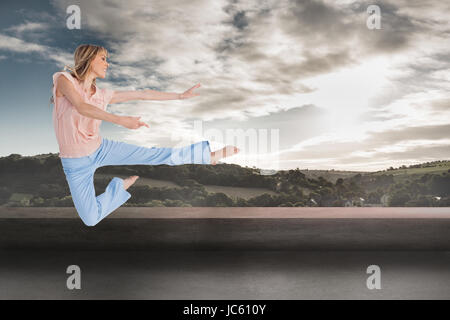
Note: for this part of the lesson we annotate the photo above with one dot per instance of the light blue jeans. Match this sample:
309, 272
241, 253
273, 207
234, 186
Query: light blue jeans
80, 173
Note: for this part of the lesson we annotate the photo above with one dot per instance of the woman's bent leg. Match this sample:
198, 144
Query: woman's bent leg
121, 153
80, 173
90, 208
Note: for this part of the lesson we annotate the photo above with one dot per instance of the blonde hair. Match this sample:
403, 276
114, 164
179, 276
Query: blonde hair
83, 56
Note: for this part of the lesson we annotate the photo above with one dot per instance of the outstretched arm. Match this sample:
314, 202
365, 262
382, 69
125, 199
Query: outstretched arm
66, 88
123, 96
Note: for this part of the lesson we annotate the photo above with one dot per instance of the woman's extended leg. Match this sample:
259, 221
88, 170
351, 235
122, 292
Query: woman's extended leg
121, 153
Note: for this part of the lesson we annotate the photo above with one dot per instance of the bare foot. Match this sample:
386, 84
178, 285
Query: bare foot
222, 153
128, 182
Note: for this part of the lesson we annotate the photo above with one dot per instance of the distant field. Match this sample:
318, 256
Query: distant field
401, 174
142, 181
329, 175
235, 192
232, 192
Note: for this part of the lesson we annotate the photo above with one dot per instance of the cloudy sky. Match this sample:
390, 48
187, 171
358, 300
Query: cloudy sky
327, 91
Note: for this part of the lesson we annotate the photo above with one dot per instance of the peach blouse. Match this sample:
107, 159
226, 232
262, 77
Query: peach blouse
77, 135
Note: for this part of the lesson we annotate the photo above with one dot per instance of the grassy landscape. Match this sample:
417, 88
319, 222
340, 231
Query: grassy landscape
403, 173
331, 175
40, 181
232, 192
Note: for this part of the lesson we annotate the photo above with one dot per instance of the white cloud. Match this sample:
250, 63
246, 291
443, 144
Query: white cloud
28, 27
13, 44
17, 45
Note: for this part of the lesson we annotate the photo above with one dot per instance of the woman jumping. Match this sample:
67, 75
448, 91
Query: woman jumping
78, 112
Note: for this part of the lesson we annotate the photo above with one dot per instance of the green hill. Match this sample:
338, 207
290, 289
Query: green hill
40, 181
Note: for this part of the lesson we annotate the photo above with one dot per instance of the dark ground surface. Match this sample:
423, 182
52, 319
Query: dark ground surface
41, 274
226, 253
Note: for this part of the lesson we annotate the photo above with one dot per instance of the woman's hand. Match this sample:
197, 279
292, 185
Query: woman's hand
189, 93
131, 122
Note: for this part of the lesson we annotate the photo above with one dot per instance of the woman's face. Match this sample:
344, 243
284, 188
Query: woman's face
99, 65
